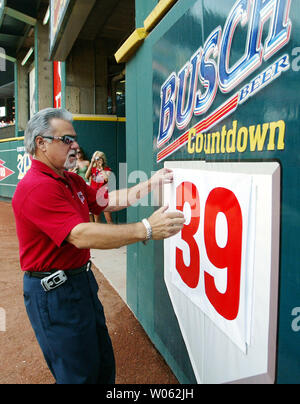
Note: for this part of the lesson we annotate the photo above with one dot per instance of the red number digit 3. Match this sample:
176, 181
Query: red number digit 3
187, 192
223, 200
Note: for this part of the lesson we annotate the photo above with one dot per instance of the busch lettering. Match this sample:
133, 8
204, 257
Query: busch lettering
181, 95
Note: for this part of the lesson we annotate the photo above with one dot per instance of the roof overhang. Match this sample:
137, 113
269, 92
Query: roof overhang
67, 19
16, 20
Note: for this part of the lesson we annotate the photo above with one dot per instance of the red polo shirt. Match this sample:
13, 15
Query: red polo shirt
47, 207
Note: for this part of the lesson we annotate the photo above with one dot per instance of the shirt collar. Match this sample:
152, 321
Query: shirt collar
43, 168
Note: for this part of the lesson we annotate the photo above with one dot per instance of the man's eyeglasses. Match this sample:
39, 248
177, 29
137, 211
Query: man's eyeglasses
66, 139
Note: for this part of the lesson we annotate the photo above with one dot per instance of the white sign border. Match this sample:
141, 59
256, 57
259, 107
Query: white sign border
215, 363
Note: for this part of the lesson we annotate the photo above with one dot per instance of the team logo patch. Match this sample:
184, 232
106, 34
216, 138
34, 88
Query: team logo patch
81, 196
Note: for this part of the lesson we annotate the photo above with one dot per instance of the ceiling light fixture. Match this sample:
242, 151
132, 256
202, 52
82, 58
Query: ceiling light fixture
29, 53
47, 15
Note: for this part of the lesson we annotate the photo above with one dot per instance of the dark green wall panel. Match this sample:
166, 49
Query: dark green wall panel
109, 137
168, 47
146, 293
12, 155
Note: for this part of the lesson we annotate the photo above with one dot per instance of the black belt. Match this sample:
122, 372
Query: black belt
68, 272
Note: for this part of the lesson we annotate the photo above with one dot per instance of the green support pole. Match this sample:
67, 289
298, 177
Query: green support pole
16, 99
36, 66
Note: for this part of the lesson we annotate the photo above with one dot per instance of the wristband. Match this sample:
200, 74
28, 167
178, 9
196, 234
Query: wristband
148, 229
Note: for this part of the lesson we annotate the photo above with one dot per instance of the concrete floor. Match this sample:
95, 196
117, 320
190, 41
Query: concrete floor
112, 264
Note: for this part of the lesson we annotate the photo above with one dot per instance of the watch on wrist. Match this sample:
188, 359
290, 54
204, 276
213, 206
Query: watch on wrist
148, 230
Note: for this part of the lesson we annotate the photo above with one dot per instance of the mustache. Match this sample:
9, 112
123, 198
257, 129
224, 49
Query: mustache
68, 164
72, 153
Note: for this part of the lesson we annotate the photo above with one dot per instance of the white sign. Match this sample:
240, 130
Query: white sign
208, 259
216, 266
2, 112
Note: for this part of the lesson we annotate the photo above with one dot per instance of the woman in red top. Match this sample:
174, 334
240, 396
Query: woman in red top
98, 173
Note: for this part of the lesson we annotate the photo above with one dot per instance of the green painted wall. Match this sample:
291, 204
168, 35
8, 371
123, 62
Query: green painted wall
170, 45
147, 295
110, 138
11, 156
142, 9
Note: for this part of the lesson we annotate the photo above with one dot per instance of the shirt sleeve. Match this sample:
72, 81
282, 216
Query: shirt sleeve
48, 208
97, 199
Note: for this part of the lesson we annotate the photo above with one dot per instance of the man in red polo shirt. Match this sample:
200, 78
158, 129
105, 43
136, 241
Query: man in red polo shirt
51, 207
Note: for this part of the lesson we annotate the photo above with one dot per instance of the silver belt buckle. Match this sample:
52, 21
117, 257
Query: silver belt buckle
53, 281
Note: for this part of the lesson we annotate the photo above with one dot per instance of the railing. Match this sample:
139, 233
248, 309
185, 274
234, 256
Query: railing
7, 131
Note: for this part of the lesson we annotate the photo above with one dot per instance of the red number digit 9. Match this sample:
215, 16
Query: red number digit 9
187, 192
223, 200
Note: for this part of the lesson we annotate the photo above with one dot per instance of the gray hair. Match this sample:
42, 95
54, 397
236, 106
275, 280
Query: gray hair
40, 125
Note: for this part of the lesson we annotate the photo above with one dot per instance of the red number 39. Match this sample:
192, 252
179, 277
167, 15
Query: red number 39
228, 257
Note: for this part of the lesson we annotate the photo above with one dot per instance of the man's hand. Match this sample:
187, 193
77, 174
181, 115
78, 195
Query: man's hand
120, 199
161, 177
165, 224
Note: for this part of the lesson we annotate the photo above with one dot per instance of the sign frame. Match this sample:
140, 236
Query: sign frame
259, 363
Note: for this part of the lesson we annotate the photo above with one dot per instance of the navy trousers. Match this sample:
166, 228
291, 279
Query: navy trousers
69, 324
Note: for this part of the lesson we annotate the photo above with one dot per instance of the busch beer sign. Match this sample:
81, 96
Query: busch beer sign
221, 270
193, 89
